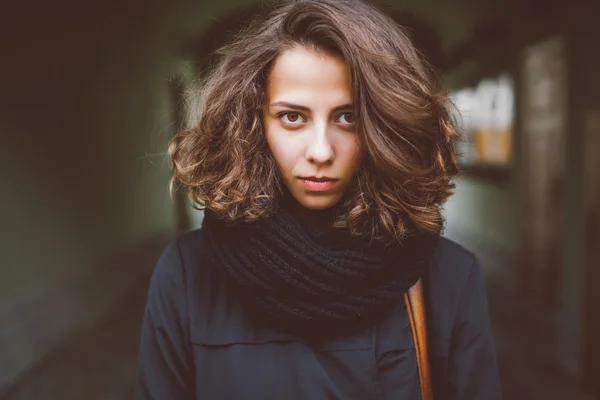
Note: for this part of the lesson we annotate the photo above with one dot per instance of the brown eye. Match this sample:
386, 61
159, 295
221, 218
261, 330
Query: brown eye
291, 118
347, 118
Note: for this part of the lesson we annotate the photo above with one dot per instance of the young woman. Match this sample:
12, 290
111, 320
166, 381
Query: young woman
322, 154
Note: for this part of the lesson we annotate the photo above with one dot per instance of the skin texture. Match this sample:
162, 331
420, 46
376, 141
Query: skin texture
309, 125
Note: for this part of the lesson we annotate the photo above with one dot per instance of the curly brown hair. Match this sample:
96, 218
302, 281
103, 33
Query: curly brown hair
403, 120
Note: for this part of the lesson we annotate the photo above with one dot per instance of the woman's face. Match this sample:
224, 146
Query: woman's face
310, 126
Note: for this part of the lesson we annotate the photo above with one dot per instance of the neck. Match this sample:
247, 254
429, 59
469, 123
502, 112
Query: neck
304, 214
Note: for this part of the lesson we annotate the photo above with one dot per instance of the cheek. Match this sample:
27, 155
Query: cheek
281, 149
353, 153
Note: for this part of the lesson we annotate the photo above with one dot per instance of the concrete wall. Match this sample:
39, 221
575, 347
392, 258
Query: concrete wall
84, 116
490, 213
86, 112
580, 313
486, 213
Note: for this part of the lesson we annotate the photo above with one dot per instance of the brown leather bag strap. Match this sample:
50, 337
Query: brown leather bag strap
415, 305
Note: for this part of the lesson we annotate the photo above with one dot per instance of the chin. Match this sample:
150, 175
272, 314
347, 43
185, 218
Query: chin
318, 202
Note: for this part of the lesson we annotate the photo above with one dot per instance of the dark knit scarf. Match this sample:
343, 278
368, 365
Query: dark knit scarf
303, 274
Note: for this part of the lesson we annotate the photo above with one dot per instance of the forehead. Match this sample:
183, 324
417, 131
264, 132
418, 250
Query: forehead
307, 74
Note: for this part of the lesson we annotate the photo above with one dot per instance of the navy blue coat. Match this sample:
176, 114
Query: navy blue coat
197, 342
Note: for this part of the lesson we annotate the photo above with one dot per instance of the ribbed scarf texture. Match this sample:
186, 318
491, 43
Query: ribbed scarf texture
304, 275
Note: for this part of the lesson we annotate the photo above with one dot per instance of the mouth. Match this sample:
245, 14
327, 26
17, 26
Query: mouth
318, 184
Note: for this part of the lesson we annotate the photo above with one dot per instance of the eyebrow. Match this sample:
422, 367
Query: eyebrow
306, 109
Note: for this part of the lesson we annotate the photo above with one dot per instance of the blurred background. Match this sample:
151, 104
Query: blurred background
91, 93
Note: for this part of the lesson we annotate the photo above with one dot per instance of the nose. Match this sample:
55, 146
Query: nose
320, 149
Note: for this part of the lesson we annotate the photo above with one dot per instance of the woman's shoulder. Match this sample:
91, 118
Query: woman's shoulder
452, 264
192, 247
183, 253
452, 270
452, 260
185, 267
454, 283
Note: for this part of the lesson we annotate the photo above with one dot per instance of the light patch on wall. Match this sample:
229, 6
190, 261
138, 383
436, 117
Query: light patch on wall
486, 115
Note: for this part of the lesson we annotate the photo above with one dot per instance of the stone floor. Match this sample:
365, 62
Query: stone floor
101, 364
522, 337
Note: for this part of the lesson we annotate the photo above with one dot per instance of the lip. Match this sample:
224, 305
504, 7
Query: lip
318, 184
